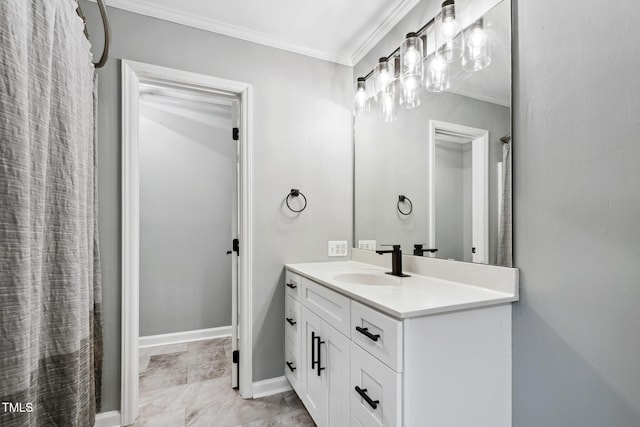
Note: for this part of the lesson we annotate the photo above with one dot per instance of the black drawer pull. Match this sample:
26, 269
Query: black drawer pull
293, 368
291, 321
320, 368
291, 285
365, 331
365, 396
313, 350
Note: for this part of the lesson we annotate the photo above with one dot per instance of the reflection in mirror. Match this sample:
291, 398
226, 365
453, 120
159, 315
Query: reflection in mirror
446, 156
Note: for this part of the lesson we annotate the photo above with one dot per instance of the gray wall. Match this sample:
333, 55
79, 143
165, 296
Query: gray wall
577, 209
187, 163
302, 129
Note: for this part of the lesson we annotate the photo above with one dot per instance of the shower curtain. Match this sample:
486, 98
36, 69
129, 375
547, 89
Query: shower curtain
505, 242
50, 291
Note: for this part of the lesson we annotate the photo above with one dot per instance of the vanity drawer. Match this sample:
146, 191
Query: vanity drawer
292, 284
292, 323
332, 307
375, 391
291, 361
378, 334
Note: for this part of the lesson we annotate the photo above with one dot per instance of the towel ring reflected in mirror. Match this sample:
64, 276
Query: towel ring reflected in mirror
404, 200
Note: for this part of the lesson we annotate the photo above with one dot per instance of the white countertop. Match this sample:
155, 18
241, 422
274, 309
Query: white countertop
405, 297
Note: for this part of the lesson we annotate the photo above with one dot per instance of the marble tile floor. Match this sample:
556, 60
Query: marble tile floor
189, 385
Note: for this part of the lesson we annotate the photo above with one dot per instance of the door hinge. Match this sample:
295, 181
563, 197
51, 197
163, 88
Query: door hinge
473, 250
236, 356
236, 134
235, 248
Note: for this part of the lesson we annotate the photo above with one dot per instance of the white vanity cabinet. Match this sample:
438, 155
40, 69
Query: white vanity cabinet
357, 366
317, 355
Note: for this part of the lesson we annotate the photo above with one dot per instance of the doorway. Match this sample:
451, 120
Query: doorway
153, 98
459, 192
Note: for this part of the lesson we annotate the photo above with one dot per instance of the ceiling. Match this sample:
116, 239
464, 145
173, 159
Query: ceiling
334, 30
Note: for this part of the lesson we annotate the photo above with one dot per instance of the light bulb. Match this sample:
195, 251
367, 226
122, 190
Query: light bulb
449, 26
437, 74
362, 100
411, 57
388, 106
411, 92
476, 50
382, 76
448, 43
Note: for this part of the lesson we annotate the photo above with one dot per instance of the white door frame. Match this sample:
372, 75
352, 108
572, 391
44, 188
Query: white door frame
479, 183
133, 74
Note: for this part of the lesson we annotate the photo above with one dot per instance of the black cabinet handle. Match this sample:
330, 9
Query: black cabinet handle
313, 350
291, 321
293, 368
365, 396
319, 355
291, 285
365, 331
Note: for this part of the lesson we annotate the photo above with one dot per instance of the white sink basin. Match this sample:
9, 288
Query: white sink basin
380, 279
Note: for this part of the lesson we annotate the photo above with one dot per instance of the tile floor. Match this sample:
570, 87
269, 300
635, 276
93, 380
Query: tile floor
189, 385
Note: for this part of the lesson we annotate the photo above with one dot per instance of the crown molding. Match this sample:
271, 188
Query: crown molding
149, 8
382, 29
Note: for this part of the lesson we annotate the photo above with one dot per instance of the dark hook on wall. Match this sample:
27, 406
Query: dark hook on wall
296, 193
402, 199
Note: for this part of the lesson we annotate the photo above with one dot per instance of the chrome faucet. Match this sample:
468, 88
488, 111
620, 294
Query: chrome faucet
396, 260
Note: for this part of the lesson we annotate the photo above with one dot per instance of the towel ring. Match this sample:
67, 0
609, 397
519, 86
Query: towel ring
404, 199
295, 193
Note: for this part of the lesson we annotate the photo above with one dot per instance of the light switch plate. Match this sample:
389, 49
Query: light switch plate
338, 248
367, 244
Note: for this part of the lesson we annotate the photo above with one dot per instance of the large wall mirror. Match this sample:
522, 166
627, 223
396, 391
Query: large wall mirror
436, 178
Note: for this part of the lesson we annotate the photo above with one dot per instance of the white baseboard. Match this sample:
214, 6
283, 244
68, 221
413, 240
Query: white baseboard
108, 419
270, 386
181, 337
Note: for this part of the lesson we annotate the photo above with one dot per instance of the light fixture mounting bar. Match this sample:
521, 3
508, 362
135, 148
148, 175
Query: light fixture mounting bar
419, 32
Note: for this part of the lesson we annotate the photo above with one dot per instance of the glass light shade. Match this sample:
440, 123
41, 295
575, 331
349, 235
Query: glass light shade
411, 92
362, 99
437, 73
383, 76
477, 53
447, 21
387, 101
447, 31
411, 57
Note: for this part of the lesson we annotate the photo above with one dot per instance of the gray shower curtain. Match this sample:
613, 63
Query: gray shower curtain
505, 235
50, 291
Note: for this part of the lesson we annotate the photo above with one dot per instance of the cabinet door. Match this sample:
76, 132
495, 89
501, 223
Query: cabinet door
313, 385
334, 357
292, 365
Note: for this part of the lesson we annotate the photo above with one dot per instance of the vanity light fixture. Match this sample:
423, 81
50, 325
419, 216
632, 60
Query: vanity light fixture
476, 50
400, 76
362, 99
